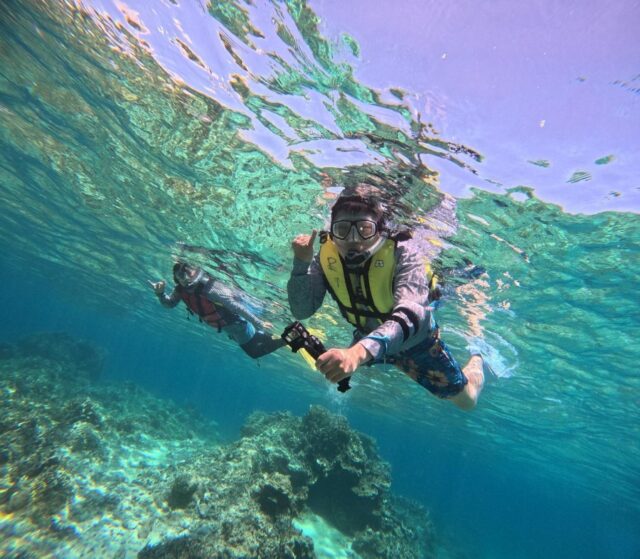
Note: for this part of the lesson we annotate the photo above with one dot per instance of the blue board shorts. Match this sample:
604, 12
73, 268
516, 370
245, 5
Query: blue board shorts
432, 366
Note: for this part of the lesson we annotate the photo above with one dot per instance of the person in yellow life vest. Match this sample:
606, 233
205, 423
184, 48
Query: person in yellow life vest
379, 282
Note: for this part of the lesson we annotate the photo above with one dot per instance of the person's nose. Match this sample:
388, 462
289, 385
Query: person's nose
353, 234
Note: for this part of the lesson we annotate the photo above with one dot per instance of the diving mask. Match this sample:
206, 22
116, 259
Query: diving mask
365, 228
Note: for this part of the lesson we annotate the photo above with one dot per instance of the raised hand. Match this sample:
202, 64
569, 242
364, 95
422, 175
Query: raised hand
302, 246
158, 286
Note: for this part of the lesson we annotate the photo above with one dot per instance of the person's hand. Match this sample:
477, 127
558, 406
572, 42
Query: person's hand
267, 326
337, 364
157, 286
302, 246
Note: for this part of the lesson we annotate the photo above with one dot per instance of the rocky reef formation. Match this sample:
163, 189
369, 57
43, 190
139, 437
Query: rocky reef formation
244, 497
73, 450
90, 469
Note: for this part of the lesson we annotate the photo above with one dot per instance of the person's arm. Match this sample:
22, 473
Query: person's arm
171, 300
306, 288
168, 301
410, 315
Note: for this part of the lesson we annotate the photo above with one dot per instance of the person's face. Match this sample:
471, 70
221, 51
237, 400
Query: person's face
187, 276
354, 232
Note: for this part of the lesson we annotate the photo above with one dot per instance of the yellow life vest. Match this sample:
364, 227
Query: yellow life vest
365, 293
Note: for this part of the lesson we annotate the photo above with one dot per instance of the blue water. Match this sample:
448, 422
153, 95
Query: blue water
482, 506
107, 165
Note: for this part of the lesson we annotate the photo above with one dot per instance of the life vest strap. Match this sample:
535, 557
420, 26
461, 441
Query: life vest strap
352, 297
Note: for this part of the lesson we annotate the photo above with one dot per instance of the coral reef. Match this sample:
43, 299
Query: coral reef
91, 469
249, 492
76, 453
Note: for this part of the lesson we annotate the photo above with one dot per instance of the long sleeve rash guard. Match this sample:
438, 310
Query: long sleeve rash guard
228, 301
306, 289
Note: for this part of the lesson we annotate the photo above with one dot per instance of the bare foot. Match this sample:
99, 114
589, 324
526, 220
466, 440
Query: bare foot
473, 371
468, 398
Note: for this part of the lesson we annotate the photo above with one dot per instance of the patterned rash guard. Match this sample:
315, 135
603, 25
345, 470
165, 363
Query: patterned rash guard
306, 290
240, 323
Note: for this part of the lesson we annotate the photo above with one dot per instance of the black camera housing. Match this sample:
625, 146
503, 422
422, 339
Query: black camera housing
298, 337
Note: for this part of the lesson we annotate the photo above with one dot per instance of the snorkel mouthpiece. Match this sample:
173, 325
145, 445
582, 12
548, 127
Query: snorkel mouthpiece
355, 258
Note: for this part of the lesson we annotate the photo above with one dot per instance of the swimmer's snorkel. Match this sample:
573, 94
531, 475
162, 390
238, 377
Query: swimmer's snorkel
354, 258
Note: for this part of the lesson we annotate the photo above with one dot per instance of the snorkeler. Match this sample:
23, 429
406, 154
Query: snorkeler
217, 305
378, 280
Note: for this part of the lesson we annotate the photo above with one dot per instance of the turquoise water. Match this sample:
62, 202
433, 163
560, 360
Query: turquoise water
132, 133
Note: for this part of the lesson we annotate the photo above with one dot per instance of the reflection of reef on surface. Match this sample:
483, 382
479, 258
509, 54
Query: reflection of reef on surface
104, 470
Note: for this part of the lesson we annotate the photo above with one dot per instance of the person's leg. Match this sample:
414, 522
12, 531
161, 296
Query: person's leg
262, 344
432, 366
254, 343
468, 398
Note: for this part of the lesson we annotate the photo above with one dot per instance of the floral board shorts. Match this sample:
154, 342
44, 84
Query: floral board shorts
431, 365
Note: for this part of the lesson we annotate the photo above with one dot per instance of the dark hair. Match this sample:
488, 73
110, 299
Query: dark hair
177, 267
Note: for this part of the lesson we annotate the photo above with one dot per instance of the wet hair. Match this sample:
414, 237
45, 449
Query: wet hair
178, 269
